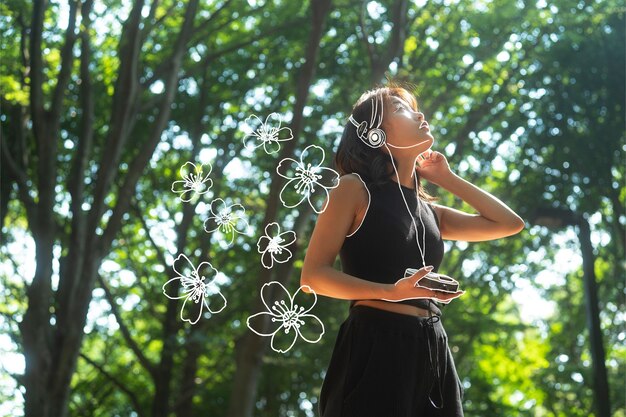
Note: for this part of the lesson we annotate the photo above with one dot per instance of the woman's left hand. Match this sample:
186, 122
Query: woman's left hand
433, 166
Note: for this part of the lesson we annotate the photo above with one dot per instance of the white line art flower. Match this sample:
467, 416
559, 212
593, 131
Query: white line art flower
229, 220
268, 134
288, 317
194, 181
273, 246
197, 286
308, 179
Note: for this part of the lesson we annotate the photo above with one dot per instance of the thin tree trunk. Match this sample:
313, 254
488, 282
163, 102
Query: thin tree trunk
251, 347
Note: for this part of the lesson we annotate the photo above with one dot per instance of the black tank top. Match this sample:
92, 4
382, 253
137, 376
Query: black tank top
383, 246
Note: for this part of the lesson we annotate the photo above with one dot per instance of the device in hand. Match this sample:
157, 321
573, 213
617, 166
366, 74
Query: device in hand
435, 281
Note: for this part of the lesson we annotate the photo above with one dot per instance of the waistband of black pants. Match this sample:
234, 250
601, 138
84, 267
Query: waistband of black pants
390, 318
426, 304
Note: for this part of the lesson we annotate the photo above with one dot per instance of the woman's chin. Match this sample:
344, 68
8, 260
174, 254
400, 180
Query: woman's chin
427, 140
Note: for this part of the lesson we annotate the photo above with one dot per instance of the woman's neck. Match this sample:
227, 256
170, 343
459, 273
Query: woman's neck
406, 174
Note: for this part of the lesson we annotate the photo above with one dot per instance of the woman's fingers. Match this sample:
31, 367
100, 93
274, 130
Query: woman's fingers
421, 273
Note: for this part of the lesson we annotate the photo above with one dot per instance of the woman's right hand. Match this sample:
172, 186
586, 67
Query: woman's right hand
405, 289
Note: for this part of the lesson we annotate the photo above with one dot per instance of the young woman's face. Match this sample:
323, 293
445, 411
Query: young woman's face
402, 126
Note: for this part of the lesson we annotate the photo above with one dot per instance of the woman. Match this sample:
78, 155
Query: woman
391, 356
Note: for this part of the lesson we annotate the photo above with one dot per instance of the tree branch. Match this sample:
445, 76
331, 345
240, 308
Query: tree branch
365, 37
398, 33
141, 161
78, 239
124, 99
135, 207
131, 395
35, 70
132, 344
22, 181
67, 61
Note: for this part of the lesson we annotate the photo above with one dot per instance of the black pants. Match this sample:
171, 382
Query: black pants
387, 364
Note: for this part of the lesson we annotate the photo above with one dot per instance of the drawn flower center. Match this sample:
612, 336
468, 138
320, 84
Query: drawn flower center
308, 179
224, 218
267, 133
194, 181
197, 287
274, 245
289, 317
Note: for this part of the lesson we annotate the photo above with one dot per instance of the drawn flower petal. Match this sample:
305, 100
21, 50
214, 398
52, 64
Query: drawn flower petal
256, 323
283, 134
267, 259
281, 295
313, 155
229, 234
238, 210
303, 299
189, 168
319, 199
172, 288
289, 195
288, 238
206, 170
284, 339
312, 329
253, 141
328, 178
211, 224
241, 225
183, 266
272, 229
213, 298
288, 168
217, 206
273, 121
206, 271
252, 124
271, 146
191, 310
180, 187
263, 243
282, 256
289, 318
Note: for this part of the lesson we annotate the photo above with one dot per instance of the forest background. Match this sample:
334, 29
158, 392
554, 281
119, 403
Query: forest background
104, 102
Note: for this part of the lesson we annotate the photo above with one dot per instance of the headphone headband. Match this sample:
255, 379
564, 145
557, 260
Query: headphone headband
370, 133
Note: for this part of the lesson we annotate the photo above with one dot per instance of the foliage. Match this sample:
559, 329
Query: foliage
526, 100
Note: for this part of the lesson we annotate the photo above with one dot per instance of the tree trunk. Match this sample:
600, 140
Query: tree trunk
251, 347
51, 352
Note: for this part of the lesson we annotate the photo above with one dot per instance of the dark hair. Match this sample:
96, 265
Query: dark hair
372, 164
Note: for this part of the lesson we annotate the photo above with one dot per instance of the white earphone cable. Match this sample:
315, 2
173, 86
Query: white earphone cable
422, 252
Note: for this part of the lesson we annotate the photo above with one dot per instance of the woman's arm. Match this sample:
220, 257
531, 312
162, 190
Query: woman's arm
496, 219
328, 236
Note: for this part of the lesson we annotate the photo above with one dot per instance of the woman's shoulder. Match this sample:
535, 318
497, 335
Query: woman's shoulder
354, 187
353, 179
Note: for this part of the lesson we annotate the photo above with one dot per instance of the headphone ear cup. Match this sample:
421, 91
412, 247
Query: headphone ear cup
376, 137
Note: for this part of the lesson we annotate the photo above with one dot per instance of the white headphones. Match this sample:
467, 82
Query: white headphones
370, 133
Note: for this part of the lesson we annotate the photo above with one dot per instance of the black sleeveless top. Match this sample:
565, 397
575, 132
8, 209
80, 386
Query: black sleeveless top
383, 246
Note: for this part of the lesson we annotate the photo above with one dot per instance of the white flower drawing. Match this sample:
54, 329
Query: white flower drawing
273, 246
307, 179
268, 134
229, 220
197, 286
287, 318
194, 181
